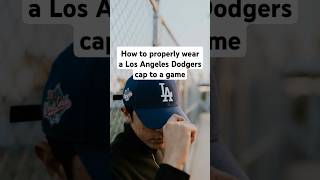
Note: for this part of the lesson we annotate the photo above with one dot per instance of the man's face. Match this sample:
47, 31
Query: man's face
153, 138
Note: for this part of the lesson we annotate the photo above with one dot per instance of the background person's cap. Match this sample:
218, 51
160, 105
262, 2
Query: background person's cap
75, 109
154, 101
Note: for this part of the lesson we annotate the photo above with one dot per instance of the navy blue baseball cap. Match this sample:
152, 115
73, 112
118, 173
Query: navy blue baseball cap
75, 109
154, 101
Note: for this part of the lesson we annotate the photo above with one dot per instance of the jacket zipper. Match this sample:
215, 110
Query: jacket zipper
154, 160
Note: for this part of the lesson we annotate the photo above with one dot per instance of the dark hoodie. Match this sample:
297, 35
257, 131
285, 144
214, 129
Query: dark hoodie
133, 160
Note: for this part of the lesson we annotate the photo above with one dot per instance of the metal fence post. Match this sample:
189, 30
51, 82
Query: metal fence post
156, 24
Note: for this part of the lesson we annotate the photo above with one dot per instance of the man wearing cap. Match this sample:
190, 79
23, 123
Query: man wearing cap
75, 121
157, 137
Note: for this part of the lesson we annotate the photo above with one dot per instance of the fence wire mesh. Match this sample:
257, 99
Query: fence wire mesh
131, 24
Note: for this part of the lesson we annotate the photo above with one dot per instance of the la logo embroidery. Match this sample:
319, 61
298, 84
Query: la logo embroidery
166, 93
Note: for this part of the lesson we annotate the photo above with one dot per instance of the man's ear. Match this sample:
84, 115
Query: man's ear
42, 150
126, 114
45, 155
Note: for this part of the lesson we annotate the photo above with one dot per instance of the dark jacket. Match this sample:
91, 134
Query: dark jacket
133, 160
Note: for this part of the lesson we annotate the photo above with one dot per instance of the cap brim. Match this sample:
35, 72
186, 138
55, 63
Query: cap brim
156, 118
95, 159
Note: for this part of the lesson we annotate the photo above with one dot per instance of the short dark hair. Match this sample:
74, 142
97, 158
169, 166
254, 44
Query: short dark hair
64, 153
